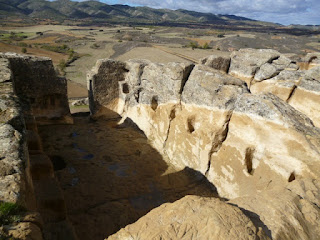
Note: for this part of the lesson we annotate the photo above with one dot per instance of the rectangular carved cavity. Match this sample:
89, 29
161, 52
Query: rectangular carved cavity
292, 177
154, 103
248, 159
190, 124
125, 88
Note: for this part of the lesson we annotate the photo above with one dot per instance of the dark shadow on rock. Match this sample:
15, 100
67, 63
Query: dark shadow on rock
128, 123
81, 114
255, 218
124, 180
58, 162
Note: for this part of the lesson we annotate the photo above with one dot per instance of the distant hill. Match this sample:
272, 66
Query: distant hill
88, 13
65, 9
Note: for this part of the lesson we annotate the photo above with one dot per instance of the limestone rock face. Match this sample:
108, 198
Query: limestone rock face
200, 122
246, 62
293, 216
251, 144
306, 96
5, 72
281, 85
216, 62
251, 159
192, 218
36, 82
301, 89
210, 88
103, 86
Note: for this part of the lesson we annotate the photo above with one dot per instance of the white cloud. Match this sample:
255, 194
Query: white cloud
282, 11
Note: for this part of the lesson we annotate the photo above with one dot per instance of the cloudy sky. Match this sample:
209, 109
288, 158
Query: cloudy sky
279, 11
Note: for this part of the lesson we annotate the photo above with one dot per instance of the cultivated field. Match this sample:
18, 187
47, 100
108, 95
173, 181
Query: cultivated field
74, 50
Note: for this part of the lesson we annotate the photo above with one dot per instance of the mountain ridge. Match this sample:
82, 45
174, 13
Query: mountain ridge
65, 9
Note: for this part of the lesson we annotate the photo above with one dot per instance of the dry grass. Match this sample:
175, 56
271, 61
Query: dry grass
200, 41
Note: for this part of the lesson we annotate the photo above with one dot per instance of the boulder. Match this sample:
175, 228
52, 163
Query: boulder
246, 62
293, 216
216, 62
192, 217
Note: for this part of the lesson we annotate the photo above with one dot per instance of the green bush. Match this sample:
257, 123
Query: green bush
59, 48
193, 45
206, 46
10, 213
24, 50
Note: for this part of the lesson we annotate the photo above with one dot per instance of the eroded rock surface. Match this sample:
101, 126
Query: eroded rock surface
192, 217
251, 144
30, 94
43, 91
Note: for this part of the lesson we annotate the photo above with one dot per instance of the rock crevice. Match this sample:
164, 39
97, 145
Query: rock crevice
250, 144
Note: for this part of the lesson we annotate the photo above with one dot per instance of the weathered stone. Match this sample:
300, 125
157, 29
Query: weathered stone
306, 98
293, 216
5, 72
216, 62
103, 86
251, 159
210, 88
37, 85
314, 74
29, 88
163, 83
192, 217
26, 231
266, 71
281, 85
245, 62
248, 146
80, 102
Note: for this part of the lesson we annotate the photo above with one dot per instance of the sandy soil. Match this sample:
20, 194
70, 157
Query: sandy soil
56, 57
152, 54
76, 90
112, 175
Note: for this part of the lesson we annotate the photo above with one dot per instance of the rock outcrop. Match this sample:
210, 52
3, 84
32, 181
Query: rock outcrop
30, 94
192, 217
248, 131
39, 88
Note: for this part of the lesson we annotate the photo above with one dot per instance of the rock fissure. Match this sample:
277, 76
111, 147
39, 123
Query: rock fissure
185, 78
172, 116
218, 140
192, 130
292, 91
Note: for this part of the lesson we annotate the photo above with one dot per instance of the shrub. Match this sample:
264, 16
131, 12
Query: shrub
24, 50
220, 36
193, 45
60, 48
206, 46
10, 213
62, 66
